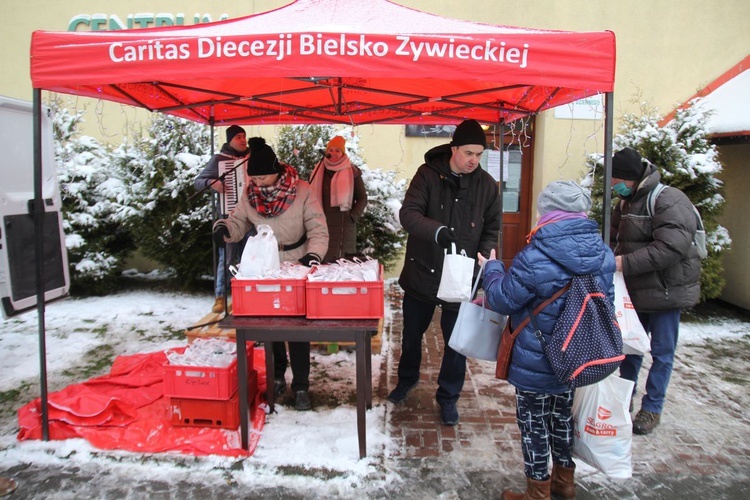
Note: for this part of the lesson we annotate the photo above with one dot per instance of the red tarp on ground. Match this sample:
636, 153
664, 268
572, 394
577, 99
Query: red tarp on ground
127, 410
330, 61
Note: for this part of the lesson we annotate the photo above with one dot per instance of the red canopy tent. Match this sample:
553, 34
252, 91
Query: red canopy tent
325, 61
330, 61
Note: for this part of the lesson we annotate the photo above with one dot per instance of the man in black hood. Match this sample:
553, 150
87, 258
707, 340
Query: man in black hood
451, 199
234, 149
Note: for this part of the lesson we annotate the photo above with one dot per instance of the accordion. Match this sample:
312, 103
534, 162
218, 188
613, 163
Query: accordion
234, 184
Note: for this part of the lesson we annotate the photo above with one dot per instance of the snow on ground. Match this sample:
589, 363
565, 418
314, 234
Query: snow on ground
83, 332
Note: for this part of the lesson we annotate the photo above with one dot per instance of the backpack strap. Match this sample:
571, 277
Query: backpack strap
651, 199
532, 314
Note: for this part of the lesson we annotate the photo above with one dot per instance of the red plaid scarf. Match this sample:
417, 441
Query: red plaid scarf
274, 200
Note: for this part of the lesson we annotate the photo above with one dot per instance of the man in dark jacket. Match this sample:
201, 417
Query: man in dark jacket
661, 268
234, 149
449, 200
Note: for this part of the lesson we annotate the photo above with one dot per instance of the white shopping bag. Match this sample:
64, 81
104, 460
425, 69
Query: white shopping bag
455, 282
634, 337
477, 331
602, 428
261, 254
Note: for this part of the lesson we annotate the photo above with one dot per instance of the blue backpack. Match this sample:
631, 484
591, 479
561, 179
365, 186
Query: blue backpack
586, 342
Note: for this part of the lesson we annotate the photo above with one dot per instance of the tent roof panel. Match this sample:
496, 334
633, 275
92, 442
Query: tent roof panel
333, 60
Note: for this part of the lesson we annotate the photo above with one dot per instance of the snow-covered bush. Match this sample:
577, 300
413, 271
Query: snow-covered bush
688, 161
95, 214
161, 169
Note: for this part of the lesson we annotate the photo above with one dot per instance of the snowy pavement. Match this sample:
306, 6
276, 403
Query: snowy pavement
700, 450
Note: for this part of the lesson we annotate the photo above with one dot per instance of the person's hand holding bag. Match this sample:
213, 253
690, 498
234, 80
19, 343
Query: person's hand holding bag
307, 259
445, 237
219, 233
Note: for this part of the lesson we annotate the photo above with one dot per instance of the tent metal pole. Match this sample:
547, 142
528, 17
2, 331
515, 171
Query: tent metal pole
36, 209
500, 191
607, 193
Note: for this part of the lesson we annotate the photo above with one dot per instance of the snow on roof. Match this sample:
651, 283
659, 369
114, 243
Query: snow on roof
728, 97
730, 103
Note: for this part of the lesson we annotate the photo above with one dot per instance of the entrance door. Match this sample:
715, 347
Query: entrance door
516, 185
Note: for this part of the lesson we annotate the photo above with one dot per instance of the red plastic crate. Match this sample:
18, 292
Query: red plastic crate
345, 299
211, 413
203, 382
279, 297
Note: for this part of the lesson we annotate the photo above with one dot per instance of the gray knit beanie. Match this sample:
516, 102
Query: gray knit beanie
563, 195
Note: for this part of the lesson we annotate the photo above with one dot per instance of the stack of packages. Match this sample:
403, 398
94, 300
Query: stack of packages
201, 383
346, 289
342, 290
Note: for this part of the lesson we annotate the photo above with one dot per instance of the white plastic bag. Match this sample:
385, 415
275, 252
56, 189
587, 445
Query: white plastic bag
602, 428
634, 337
261, 254
477, 331
455, 282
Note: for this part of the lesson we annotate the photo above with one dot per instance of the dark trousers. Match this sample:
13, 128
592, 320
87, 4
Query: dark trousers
417, 318
664, 329
546, 425
299, 355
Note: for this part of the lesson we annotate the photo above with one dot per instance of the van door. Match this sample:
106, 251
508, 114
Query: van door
17, 231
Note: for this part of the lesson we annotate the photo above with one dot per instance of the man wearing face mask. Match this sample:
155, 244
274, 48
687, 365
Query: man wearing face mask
661, 267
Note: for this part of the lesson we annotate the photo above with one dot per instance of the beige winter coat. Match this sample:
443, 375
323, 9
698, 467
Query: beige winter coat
304, 216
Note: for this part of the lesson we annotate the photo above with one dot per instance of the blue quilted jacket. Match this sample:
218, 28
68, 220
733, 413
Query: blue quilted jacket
557, 252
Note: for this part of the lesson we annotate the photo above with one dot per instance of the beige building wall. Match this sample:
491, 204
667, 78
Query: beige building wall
736, 161
666, 51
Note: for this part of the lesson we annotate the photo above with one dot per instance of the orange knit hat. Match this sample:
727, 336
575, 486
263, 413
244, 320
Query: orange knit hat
337, 142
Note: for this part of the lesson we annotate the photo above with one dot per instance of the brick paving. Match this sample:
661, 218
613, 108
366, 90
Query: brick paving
702, 446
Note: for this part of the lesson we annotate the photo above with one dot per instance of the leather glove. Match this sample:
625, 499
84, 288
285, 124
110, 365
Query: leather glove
219, 232
307, 259
445, 237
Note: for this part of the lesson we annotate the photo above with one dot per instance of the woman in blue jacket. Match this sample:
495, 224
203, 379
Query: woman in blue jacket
564, 243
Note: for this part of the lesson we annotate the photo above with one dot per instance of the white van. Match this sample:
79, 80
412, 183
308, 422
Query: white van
18, 289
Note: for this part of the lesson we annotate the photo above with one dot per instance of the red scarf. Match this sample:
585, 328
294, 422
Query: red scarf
276, 199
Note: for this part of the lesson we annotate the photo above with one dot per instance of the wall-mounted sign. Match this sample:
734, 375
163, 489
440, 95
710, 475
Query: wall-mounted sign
589, 108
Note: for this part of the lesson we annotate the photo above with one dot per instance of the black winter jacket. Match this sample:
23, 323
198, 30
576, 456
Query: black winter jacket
468, 204
661, 266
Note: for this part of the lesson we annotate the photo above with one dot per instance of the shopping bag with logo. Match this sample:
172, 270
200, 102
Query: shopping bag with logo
634, 337
261, 254
586, 342
477, 331
455, 282
602, 428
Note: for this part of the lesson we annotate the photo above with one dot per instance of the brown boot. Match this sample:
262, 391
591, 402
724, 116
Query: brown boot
219, 305
562, 481
535, 490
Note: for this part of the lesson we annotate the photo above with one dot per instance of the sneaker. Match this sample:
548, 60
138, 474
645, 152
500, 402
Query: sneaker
645, 422
219, 305
448, 413
279, 388
398, 395
302, 401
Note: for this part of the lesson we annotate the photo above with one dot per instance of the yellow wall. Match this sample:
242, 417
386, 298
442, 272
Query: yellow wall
735, 220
